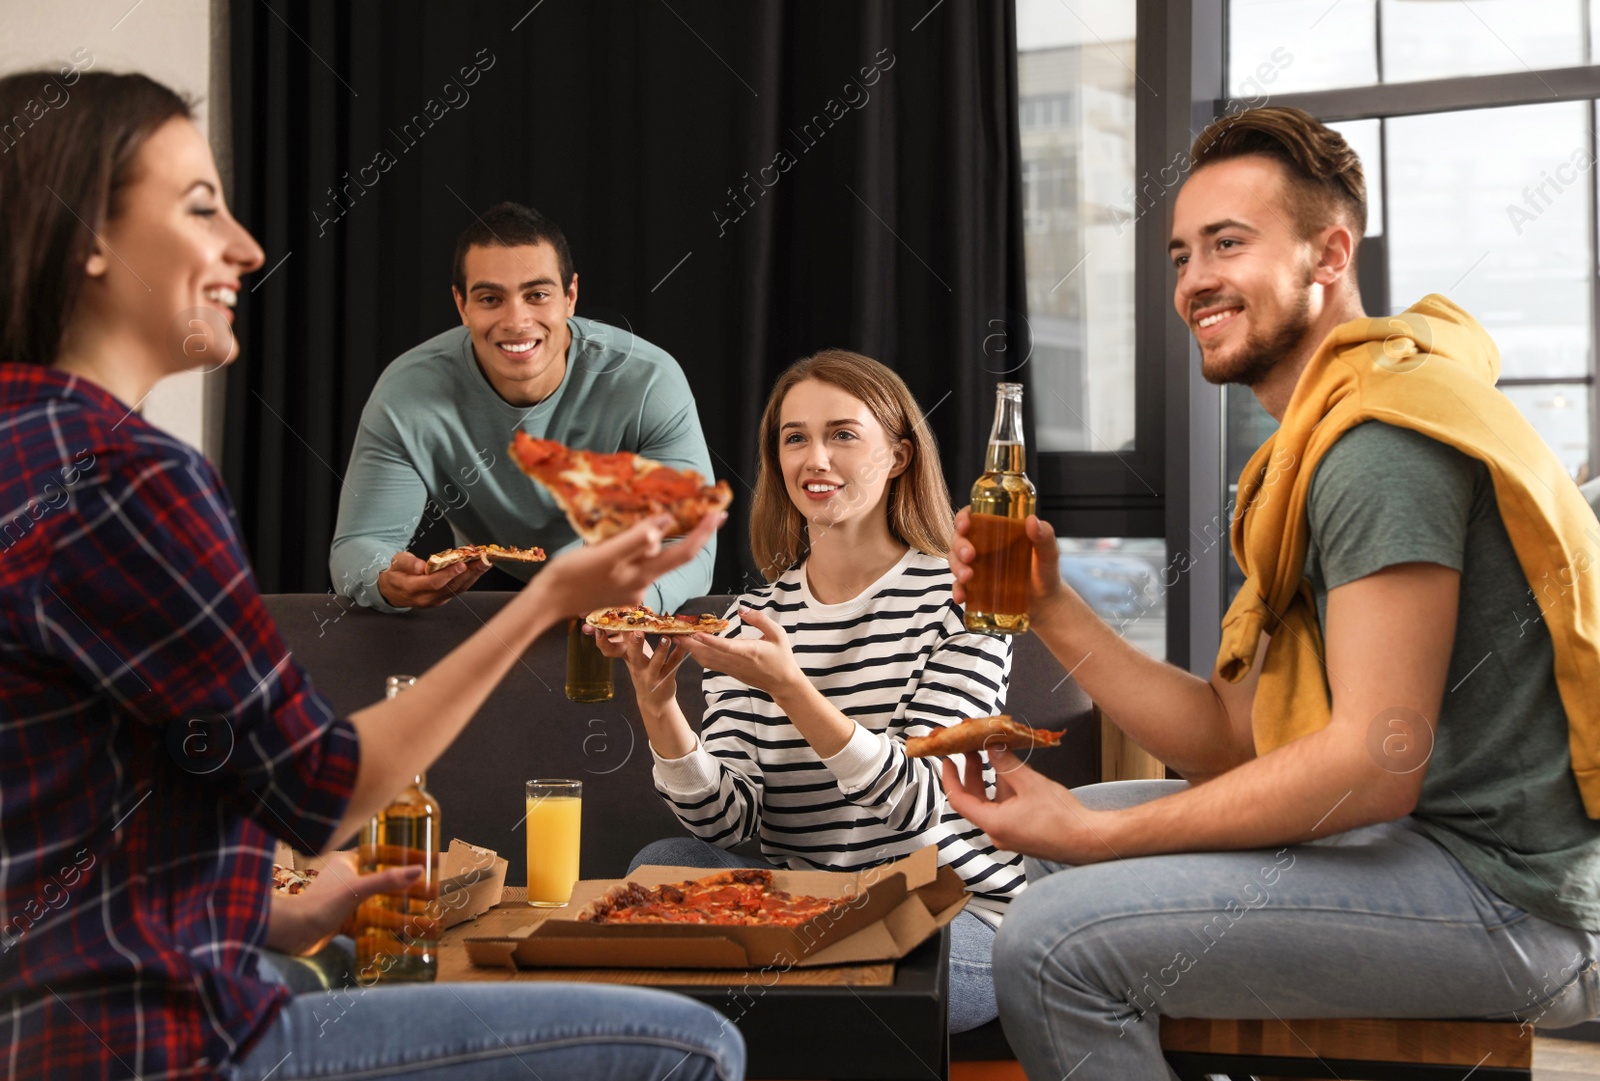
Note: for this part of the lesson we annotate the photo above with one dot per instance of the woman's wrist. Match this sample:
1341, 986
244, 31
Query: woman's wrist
667, 729
653, 713
789, 688
671, 741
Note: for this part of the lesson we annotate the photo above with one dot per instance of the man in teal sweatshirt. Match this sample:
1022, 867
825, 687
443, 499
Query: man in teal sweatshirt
434, 433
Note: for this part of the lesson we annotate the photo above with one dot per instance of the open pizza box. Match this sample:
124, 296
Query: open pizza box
472, 879
895, 908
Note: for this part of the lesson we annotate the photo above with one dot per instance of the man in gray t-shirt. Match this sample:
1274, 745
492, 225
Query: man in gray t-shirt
1385, 822
434, 433
1498, 790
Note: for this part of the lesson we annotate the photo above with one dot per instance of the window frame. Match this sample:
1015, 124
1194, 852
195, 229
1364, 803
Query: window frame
1152, 490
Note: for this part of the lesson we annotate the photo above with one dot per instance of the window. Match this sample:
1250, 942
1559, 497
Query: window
1507, 236
1094, 99
1311, 44
1354, 43
1076, 87
1424, 39
1126, 581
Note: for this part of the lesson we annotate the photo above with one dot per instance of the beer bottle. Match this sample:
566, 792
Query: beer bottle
1002, 499
397, 934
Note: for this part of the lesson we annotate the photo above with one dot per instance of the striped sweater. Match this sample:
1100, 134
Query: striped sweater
898, 660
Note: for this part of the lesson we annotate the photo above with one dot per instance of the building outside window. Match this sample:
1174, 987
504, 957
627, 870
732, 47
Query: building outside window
1077, 93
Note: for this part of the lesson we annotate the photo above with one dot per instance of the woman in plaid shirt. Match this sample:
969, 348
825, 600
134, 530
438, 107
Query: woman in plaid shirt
134, 858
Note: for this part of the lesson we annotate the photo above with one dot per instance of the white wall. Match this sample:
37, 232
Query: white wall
168, 40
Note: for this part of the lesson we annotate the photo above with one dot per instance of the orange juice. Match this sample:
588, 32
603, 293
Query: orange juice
554, 829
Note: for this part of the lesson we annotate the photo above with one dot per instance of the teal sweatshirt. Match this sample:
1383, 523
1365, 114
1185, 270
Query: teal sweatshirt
433, 441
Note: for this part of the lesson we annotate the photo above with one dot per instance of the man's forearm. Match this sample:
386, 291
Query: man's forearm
1390, 636
1320, 785
354, 566
1175, 716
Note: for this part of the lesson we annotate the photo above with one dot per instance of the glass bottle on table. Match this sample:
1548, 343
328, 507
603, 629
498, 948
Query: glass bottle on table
397, 934
1002, 499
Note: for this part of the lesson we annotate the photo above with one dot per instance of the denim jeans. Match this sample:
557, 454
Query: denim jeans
486, 1032
1379, 921
972, 1001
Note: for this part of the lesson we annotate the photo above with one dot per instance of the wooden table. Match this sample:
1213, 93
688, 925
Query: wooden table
885, 1021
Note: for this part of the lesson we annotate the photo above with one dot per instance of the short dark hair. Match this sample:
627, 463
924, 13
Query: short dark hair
62, 173
510, 225
1326, 182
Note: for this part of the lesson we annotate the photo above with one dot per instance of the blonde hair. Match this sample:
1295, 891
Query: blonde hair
920, 514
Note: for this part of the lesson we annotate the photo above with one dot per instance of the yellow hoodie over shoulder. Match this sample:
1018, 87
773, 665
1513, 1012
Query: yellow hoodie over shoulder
1431, 369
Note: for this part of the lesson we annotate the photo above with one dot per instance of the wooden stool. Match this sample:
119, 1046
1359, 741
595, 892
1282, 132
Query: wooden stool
1375, 1050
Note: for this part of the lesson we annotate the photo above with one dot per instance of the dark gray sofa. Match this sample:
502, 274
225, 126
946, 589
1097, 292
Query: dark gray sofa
529, 729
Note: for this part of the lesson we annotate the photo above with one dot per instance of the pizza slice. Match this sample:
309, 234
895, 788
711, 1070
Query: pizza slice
489, 553
637, 617
979, 734
288, 880
604, 494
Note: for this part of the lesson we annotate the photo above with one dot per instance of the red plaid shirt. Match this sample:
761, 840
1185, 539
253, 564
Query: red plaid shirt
155, 738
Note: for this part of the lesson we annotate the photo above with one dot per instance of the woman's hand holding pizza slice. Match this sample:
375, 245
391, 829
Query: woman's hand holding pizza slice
766, 662
653, 671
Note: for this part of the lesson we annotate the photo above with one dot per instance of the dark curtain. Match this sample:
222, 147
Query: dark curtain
367, 134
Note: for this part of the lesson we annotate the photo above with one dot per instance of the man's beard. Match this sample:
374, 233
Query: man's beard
1259, 354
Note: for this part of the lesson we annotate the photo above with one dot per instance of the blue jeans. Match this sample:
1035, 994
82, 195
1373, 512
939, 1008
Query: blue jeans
1376, 922
488, 1032
972, 1001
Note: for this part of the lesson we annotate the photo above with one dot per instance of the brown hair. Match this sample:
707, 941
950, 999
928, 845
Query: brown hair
1325, 180
67, 148
920, 514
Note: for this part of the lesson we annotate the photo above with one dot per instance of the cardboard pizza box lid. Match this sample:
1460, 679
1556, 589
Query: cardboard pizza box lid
473, 881
895, 907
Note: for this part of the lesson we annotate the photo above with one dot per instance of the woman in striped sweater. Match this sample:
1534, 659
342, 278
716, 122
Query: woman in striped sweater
854, 645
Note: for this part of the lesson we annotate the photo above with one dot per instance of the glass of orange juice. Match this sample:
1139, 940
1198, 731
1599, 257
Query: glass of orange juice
554, 821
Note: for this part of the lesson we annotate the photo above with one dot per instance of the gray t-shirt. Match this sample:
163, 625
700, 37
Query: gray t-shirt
1499, 792
433, 441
